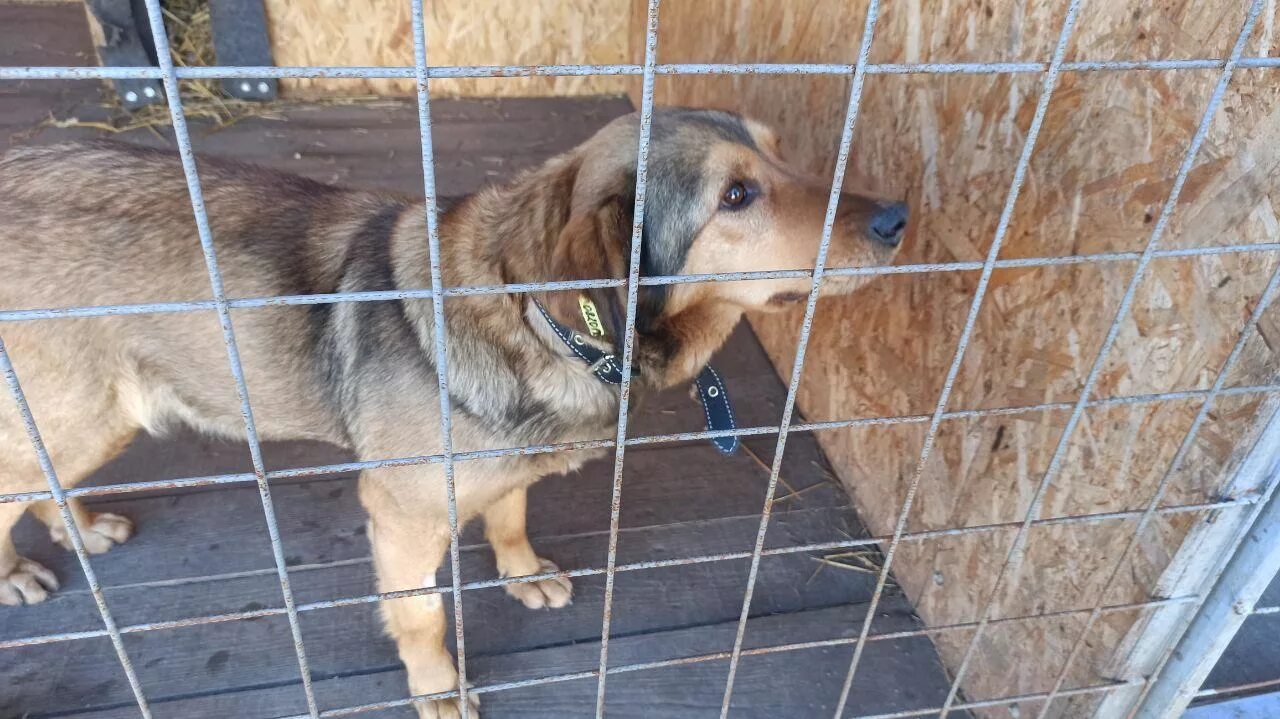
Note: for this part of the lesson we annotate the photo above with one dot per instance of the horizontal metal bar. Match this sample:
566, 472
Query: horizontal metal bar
955, 68
1238, 688
106, 310
725, 277
1261, 611
698, 659
407, 72
562, 285
1038, 696
147, 627
358, 466
927, 631
675, 562
82, 72
914, 712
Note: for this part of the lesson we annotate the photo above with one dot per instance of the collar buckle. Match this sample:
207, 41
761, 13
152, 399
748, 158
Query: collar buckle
605, 367
602, 362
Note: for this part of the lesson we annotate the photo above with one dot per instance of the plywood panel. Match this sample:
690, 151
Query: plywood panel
1109, 147
459, 32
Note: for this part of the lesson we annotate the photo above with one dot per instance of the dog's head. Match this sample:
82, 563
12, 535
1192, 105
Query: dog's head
720, 198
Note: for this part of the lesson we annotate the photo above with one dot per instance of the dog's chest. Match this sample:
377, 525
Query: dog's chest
581, 409
582, 406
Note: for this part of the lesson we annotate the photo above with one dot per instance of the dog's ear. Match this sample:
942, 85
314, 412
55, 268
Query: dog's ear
594, 244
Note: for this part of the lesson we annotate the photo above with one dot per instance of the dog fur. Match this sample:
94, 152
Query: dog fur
104, 223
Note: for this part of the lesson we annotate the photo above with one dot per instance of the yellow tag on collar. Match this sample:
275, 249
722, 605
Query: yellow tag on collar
591, 316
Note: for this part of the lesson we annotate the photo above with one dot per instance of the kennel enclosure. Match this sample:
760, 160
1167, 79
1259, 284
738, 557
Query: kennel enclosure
1043, 410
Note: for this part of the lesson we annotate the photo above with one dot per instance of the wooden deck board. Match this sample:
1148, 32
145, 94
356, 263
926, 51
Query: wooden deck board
203, 551
800, 684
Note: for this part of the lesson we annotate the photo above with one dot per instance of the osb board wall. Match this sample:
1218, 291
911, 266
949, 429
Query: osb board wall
459, 32
1104, 163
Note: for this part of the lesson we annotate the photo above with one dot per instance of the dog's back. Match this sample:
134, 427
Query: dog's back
109, 223
104, 223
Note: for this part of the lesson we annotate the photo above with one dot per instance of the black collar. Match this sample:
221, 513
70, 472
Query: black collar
604, 365
608, 368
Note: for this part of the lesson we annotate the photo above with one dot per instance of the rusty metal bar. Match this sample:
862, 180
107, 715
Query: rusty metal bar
802, 344
500, 71
422, 73
1048, 83
1239, 688
58, 495
516, 288
699, 659
663, 564
440, 337
1157, 496
185, 152
628, 338
1018, 547
345, 467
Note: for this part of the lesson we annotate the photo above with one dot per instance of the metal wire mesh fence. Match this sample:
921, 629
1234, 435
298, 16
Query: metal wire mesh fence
422, 72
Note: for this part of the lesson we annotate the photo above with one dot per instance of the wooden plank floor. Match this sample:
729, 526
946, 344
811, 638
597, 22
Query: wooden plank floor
205, 551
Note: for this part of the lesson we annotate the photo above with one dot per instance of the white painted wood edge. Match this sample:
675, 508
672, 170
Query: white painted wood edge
1194, 568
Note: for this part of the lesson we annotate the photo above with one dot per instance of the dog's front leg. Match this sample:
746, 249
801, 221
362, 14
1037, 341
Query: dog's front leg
504, 526
406, 552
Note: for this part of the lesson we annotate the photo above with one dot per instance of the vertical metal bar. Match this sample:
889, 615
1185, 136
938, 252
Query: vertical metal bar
1048, 83
183, 139
73, 532
441, 348
802, 344
1188, 441
1018, 547
629, 335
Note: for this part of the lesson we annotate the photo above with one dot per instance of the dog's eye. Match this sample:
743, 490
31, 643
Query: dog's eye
737, 196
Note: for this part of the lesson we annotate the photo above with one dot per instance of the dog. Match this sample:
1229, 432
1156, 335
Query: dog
104, 223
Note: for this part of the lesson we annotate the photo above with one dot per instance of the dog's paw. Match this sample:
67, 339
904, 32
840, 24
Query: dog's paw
105, 530
449, 708
27, 583
554, 593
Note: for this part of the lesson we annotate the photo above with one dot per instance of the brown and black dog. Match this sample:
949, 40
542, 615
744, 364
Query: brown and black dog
101, 223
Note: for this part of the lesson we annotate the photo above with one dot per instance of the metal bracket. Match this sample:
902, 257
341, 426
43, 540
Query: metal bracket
240, 39
123, 39
122, 36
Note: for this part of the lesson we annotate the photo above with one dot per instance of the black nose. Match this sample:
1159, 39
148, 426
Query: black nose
889, 224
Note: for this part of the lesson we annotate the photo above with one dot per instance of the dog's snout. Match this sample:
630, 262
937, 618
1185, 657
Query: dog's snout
889, 224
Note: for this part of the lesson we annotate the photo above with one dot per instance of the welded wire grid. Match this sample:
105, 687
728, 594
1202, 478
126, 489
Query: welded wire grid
422, 73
